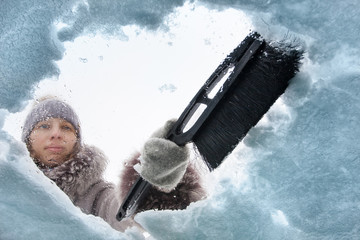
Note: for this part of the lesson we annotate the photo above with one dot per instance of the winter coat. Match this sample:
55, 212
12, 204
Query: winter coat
81, 178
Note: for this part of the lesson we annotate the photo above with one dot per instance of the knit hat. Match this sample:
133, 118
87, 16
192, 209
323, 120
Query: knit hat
50, 108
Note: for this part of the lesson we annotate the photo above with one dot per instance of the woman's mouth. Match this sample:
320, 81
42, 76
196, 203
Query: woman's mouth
55, 149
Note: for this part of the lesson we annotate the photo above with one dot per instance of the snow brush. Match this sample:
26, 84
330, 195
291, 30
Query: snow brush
235, 97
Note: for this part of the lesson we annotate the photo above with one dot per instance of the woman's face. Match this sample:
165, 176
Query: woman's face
52, 141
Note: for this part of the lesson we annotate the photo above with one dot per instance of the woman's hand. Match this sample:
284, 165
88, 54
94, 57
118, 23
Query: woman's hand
163, 163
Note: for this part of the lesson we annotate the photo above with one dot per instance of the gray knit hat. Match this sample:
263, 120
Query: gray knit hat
50, 108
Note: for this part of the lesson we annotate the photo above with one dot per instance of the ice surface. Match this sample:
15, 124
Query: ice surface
296, 174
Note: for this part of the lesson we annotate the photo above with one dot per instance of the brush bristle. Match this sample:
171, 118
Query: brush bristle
262, 81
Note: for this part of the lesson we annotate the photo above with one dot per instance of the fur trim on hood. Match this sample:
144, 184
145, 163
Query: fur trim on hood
78, 173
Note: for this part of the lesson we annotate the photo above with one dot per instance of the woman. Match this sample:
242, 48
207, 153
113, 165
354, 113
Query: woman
52, 135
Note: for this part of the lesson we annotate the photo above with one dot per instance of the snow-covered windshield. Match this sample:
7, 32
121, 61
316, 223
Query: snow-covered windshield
128, 66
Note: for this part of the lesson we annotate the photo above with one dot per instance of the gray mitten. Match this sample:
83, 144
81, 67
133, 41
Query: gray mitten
163, 163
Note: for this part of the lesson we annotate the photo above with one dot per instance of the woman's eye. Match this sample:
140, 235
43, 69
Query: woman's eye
67, 128
44, 126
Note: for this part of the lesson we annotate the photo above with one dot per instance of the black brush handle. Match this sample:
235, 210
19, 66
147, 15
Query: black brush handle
237, 59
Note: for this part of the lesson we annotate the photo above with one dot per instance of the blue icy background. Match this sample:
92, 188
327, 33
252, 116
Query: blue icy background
296, 174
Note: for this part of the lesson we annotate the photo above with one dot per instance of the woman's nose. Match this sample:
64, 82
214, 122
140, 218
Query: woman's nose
55, 133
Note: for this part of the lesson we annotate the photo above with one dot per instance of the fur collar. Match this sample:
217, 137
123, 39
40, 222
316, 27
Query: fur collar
78, 173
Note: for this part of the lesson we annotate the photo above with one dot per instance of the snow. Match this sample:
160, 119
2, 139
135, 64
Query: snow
295, 176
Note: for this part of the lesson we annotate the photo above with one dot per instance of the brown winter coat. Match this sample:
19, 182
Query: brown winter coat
81, 178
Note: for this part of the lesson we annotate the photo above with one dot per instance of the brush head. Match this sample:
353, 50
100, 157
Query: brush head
260, 83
